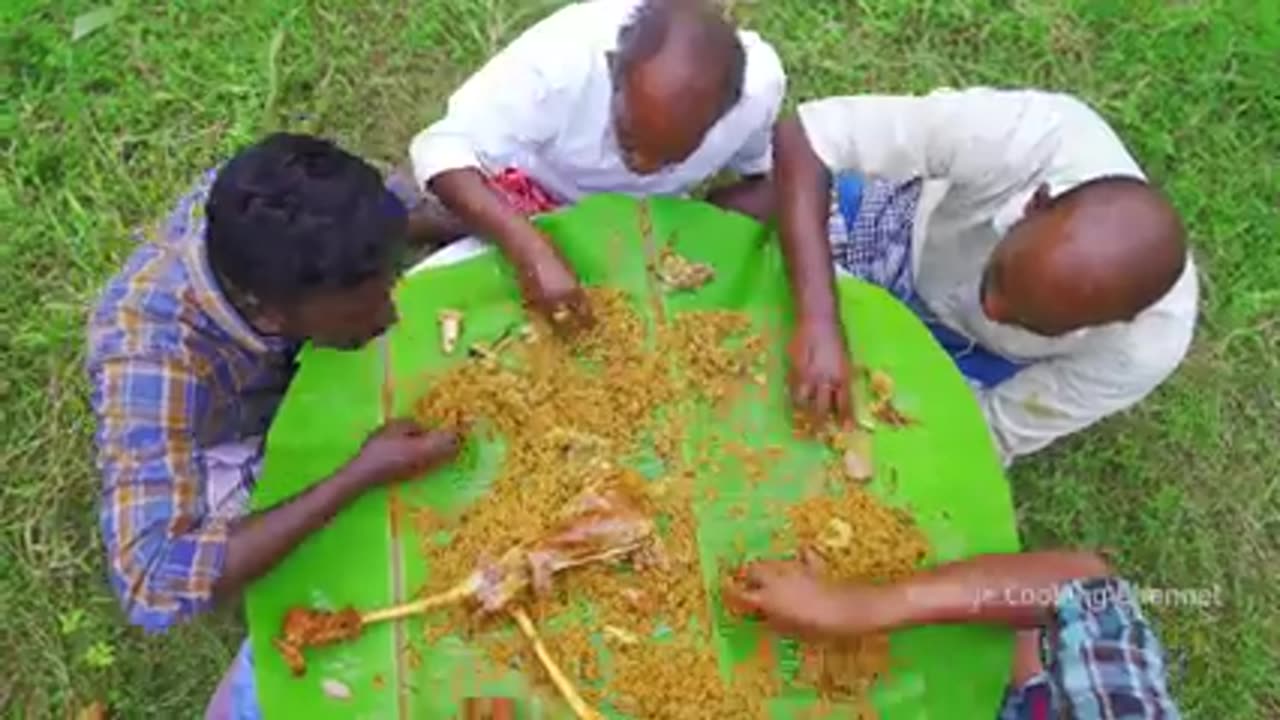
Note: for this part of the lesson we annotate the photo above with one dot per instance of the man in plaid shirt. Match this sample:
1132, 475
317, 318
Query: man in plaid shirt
191, 348
1104, 661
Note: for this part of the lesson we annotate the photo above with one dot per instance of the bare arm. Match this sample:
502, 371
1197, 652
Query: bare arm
519, 101
169, 555
398, 451
548, 283
1018, 591
430, 224
750, 196
260, 541
466, 193
1106, 655
804, 199
819, 370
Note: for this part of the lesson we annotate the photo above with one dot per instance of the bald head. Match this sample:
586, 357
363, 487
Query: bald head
678, 68
1100, 253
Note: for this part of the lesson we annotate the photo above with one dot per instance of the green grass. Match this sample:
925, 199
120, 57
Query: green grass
99, 135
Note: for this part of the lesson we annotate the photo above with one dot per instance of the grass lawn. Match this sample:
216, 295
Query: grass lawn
99, 135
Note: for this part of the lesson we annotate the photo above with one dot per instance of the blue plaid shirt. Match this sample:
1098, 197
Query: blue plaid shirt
174, 370
1105, 662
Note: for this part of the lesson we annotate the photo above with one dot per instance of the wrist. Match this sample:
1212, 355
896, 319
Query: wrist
869, 609
822, 320
525, 244
814, 293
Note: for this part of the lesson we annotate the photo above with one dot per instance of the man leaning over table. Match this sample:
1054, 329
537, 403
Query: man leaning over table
190, 349
642, 97
1018, 227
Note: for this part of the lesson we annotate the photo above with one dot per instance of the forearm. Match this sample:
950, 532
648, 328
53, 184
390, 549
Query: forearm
751, 196
803, 189
1018, 590
432, 226
467, 195
260, 541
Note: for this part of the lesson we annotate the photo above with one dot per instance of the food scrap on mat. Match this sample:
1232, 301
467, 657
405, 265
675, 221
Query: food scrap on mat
882, 407
677, 273
304, 628
335, 689
488, 709
450, 330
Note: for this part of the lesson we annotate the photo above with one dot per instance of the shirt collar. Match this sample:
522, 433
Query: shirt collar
1011, 212
213, 301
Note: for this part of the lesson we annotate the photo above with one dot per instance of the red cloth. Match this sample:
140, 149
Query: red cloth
523, 192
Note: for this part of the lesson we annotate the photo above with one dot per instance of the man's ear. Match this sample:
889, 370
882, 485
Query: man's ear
1040, 200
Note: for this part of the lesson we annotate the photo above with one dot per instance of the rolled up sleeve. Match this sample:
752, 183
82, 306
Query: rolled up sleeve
164, 549
516, 102
766, 91
756, 156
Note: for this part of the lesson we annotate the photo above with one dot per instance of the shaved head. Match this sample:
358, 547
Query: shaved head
1100, 253
678, 68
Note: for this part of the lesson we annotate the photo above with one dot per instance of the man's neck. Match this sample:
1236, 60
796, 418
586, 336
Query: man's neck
246, 306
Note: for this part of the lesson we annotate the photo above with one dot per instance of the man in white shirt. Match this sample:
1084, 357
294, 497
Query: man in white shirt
643, 97
1015, 224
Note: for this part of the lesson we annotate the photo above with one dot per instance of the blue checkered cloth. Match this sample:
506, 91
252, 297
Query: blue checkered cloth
870, 228
1105, 661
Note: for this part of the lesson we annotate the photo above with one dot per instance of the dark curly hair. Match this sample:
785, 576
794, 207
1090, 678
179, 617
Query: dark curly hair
294, 214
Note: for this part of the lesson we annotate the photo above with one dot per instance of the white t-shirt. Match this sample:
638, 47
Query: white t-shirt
982, 153
543, 105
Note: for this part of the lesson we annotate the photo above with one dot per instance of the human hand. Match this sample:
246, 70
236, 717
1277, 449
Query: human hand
551, 289
819, 372
403, 449
792, 599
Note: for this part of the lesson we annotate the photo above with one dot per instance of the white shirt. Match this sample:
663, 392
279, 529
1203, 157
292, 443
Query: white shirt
982, 153
543, 105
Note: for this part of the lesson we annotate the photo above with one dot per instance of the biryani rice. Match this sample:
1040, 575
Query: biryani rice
572, 415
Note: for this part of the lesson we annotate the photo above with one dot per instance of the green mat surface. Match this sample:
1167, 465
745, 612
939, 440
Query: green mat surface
943, 469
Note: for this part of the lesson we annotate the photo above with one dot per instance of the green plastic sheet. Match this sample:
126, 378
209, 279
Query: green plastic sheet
943, 469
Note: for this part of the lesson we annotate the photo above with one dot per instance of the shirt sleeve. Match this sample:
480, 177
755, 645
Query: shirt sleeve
989, 139
1054, 398
768, 92
1106, 661
164, 549
519, 100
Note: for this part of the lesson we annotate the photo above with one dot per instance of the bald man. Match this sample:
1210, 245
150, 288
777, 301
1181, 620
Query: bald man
648, 97
1019, 228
